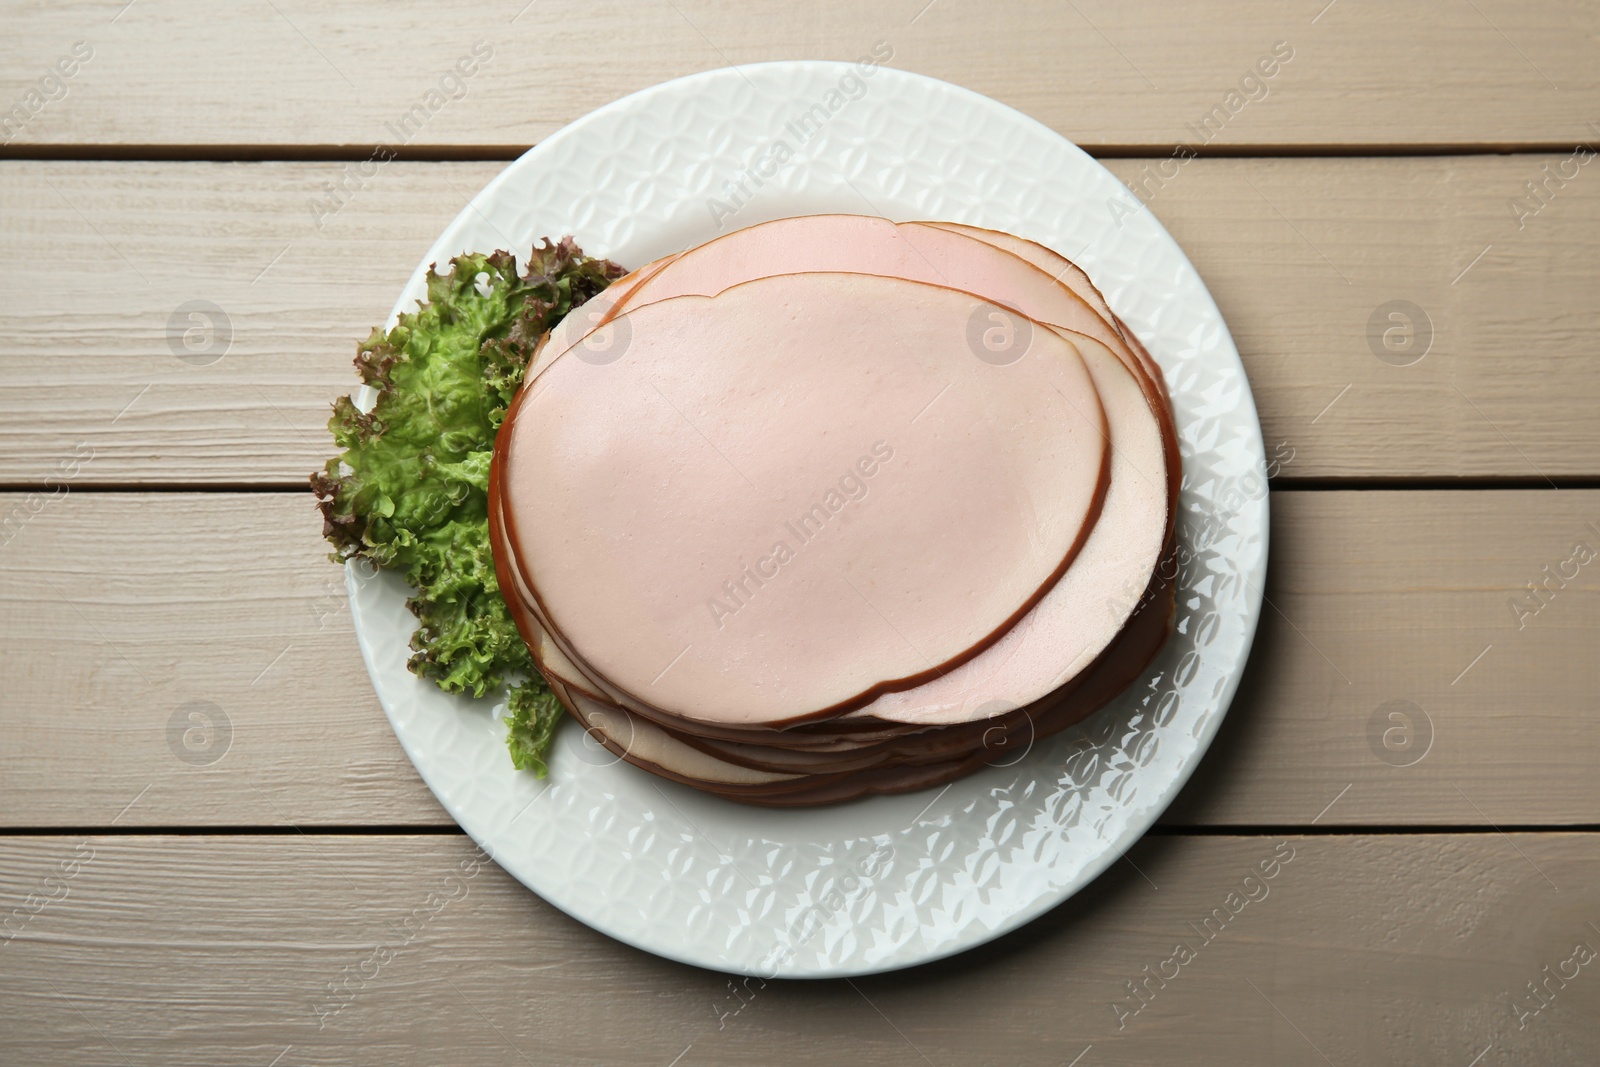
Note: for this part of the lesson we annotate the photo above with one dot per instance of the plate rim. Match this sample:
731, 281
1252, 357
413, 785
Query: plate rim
1139, 822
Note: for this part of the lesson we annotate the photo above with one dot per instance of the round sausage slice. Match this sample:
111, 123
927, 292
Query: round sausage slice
779, 502
1084, 611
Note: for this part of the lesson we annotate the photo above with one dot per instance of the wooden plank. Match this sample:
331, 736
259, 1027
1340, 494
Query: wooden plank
219, 605
122, 609
1313, 261
1393, 675
1495, 72
1300, 254
359, 949
98, 359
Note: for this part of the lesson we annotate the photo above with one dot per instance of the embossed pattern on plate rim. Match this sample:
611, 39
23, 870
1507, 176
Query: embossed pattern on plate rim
891, 881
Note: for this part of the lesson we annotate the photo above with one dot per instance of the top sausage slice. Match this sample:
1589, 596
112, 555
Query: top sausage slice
774, 504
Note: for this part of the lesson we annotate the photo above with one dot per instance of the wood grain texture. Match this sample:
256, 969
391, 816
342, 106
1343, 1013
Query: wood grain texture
334, 950
129, 612
122, 609
1299, 253
1405, 673
1494, 72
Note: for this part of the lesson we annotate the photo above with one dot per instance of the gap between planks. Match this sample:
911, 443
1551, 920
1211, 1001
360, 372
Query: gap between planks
488, 153
1331, 484
452, 829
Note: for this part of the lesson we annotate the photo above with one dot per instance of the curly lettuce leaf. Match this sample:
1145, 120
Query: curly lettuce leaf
409, 491
533, 719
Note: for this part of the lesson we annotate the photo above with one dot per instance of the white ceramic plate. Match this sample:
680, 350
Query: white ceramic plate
892, 881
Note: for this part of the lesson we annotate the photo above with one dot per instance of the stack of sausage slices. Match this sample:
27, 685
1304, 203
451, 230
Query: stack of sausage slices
832, 506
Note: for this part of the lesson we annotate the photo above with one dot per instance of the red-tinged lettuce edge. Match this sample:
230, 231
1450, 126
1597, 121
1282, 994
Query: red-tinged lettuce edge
409, 490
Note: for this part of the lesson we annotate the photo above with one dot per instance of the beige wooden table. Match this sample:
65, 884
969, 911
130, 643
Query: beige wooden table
159, 547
